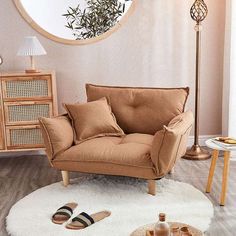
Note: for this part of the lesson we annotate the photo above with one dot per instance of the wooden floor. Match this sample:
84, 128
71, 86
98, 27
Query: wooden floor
21, 175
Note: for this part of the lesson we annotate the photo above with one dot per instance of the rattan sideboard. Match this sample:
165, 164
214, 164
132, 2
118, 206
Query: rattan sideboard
23, 98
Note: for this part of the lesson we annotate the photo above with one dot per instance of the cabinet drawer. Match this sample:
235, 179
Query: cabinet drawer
24, 137
26, 87
26, 112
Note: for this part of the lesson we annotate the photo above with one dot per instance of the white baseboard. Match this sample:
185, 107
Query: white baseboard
202, 139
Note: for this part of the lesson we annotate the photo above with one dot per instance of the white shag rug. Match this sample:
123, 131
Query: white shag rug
126, 198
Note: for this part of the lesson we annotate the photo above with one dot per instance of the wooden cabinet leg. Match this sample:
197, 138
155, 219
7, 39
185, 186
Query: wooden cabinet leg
225, 177
215, 155
65, 178
152, 187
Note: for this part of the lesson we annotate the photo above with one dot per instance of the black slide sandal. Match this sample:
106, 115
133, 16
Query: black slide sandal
83, 220
64, 213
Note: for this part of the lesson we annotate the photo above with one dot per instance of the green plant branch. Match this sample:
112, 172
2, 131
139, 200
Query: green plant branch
97, 18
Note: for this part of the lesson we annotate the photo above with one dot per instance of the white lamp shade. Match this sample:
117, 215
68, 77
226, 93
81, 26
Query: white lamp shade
31, 47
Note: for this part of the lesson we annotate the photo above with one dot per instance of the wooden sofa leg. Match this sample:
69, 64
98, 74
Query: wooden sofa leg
152, 187
65, 178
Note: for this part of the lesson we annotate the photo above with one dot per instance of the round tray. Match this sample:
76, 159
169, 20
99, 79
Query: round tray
141, 231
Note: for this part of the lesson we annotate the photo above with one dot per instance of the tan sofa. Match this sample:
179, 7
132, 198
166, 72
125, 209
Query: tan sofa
156, 129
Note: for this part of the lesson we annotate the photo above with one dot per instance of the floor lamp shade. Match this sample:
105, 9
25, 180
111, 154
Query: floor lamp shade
31, 47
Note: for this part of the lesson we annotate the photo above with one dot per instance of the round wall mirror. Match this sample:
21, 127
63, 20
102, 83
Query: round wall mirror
75, 21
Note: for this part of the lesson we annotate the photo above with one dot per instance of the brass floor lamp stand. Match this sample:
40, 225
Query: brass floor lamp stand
198, 13
196, 152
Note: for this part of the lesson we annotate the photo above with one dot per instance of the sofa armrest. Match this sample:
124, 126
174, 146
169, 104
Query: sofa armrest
57, 134
170, 143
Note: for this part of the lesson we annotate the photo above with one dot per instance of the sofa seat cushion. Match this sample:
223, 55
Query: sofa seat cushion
130, 150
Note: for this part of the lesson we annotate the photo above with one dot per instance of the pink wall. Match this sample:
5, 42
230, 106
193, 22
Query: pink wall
156, 47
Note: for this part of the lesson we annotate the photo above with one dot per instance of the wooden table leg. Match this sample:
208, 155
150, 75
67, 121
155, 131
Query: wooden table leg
215, 155
225, 177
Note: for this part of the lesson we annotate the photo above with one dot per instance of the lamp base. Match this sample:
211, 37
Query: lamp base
197, 153
32, 71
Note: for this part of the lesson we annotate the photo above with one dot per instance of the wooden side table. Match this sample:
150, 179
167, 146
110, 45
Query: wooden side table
215, 153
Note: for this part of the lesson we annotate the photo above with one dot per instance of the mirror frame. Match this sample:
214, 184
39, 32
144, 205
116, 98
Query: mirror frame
55, 38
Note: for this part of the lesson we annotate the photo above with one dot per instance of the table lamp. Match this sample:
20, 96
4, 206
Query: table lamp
31, 47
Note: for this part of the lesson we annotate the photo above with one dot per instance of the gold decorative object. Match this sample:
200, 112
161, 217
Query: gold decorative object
198, 13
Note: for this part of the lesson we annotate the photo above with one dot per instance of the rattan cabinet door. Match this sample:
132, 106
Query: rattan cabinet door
23, 137
27, 88
20, 113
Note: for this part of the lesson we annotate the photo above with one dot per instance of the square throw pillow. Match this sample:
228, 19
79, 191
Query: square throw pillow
92, 119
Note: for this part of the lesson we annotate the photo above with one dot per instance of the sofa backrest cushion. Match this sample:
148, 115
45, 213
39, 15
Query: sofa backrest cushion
141, 110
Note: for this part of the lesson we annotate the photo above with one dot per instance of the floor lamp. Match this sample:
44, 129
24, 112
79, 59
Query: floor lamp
198, 13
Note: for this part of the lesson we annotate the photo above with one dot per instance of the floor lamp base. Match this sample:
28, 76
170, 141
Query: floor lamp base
197, 153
